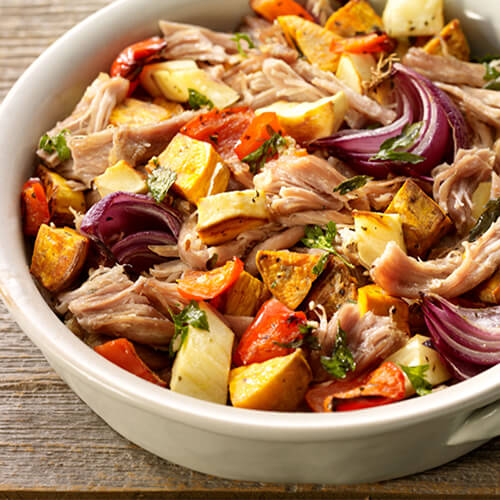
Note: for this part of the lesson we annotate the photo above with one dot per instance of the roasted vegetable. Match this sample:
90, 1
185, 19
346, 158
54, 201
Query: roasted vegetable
355, 17
61, 198
334, 286
271, 9
148, 80
373, 298
355, 70
308, 121
221, 217
34, 206
201, 366
136, 112
274, 332
312, 40
404, 18
454, 41
245, 296
278, 384
200, 170
120, 177
121, 352
172, 108
58, 257
424, 223
288, 275
373, 232
374, 43
204, 285
489, 291
418, 353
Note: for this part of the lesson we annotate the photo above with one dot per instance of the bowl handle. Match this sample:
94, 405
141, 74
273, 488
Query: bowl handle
481, 425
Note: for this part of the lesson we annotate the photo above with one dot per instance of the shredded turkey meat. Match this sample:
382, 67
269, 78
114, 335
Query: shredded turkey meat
109, 303
457, 273
454, 184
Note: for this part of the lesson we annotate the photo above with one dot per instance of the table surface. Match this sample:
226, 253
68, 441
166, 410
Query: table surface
51, 442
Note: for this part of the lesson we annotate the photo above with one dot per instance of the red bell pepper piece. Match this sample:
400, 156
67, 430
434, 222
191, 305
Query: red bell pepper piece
258, 132
267, 337
364, 44
205, 285
122, 352
382, 386
222, 129
34, 206
271, 9
133, 58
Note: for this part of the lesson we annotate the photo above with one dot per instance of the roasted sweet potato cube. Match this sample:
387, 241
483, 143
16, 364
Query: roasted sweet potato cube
354, 18
245, 297
373, 298
312, 40
454, 41
335, 286
58, 256
62, 199
135, 112
288, 275
424, 223
489, 291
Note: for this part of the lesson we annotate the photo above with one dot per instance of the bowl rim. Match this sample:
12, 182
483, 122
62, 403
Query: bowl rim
48, 332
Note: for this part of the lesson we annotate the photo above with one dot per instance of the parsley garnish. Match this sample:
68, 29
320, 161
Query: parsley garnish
356, 182
416, 375
492, 74
197, 100
256, 159
316, 238
56, 144
159, 181
341, 361
191, 315
320, 265
242, 36
212, 261
393, 149
489, 216
307, 340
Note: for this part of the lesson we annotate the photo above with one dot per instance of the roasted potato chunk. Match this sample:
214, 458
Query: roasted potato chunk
354, 18
424, 223
489, 291
58, 256
312, 40
454, 41
136, 112
277, 384
120, 177
288, 275
373, 298
335, 286
245, 297
61, 197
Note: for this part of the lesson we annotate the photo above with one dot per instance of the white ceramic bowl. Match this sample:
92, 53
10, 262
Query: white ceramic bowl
367, 445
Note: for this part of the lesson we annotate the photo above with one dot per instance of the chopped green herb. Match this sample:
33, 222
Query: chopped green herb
489, 216
242, 36
416, 375
155, 161
393, 149
212, 261
341, 361
56, 144
257, 159
197, 100
294, 344
308, 339
356, 182
492, 73
320, 266
274, 284
316, 238
191, 315
159, 182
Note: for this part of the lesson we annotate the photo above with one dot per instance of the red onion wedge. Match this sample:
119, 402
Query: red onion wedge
128, 224
419, 100
468, 339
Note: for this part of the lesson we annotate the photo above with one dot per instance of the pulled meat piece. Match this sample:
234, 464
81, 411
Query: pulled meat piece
445, 69
370, 338
163, 296
381, 192
91, 114
304, 183
454, 185
109, 303
449, 277
186, 41
320, 9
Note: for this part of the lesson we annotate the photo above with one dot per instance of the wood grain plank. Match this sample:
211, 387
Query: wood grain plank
50, 441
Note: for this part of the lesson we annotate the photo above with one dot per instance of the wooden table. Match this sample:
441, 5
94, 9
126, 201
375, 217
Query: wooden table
51, 442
